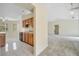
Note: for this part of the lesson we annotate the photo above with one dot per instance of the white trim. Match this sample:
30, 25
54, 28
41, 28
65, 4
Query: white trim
37, 54
74, 38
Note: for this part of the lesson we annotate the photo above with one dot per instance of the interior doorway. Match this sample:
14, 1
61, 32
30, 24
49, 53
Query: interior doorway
56, 30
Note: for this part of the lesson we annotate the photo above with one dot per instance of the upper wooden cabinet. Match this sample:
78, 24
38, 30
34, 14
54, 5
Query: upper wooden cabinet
31, 22
28, 22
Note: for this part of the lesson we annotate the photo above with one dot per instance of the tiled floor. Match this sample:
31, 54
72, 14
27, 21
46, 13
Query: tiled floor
61, 47
57, 46
20, 49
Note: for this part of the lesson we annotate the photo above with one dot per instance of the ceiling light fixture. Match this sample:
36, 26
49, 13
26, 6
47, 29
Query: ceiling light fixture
73, 11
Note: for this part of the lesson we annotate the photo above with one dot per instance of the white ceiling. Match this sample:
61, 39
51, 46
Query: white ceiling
12, 11
60, 11
28, 6
55, 10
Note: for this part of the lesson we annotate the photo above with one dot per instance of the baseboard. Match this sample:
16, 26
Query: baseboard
68, 37
41, 51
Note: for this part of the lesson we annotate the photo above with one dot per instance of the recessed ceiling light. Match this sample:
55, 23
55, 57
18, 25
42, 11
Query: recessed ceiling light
72, 12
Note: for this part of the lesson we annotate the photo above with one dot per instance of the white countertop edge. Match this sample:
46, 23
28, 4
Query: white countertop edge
2, 32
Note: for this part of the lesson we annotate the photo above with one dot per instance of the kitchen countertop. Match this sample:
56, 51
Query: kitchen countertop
26, 32
2, 32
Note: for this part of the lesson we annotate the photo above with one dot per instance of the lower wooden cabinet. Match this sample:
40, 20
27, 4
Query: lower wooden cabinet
2, 40
31, 39
27, 38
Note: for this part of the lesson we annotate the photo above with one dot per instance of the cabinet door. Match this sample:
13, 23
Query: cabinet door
26, 37
25, 22
2, 40
31, 39
31, 22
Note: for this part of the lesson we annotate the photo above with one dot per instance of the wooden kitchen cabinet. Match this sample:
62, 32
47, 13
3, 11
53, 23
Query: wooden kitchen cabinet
27, 22
31, 22
31, 39
27, 38
2, 40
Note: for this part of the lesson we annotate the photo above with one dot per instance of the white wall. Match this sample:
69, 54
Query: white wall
41, 40
59, 13
12, 32
27, 16
66, 27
